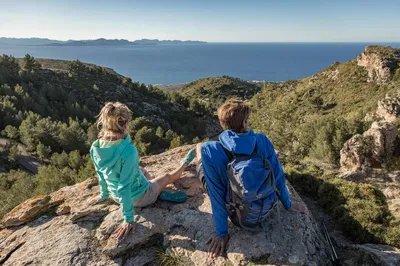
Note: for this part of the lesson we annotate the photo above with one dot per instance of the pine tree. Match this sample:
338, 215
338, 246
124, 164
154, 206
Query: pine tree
30, 64
42, 151
11, 132
160, 132
12, 155
75, 160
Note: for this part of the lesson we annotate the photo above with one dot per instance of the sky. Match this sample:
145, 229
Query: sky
206, 20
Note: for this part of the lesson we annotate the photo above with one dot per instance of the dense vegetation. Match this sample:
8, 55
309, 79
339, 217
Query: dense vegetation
309, 120
213, 92
313, 117
360, 210
52, 111
61, 169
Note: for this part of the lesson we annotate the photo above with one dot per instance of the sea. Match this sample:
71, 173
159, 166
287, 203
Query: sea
182, 63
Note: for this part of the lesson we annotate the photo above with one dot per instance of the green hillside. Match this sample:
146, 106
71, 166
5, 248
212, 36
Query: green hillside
212, 92
316, 115
48, 107
74, 92
310, 119
63, 65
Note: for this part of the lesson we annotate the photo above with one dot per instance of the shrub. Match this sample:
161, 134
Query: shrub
11, 132
360, 210
42, 151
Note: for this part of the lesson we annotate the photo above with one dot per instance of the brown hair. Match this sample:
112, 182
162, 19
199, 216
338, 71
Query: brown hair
232, 114
112, 120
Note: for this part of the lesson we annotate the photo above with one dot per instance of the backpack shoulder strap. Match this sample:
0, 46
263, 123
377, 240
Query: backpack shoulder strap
255, 151
229, 154
272, 182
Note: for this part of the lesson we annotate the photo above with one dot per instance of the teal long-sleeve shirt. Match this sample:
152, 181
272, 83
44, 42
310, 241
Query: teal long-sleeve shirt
119, 175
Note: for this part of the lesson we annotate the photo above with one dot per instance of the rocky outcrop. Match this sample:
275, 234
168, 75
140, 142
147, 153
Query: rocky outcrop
389, 108
352, 155
381, 254
366, 254
370, 148
380, 62
383, 136
69, 232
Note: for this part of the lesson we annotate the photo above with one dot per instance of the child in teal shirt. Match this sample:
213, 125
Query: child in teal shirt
116, 162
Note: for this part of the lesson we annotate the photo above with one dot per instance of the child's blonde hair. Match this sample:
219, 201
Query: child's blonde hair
113, 119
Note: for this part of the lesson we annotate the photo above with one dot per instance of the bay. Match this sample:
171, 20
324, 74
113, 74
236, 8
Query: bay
174, 64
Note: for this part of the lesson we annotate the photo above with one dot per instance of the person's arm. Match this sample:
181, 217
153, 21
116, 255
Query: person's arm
216, 192
104, 194
130, 166
103, 186
284, 195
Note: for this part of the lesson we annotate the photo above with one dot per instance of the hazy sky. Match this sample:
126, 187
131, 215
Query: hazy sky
208, 20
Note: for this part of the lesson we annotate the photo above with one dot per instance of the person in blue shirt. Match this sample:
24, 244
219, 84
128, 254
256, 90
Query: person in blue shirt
212, 163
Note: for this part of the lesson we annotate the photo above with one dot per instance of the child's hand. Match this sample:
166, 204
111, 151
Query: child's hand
123, 230
95, 200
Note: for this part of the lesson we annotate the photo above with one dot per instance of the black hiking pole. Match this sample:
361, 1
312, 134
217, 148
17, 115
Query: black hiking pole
334, 258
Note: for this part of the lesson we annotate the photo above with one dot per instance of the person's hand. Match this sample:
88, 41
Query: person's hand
300, 207
123, 230
95, 200
216, 245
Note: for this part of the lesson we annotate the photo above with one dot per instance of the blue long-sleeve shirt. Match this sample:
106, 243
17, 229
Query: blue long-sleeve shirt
215, 162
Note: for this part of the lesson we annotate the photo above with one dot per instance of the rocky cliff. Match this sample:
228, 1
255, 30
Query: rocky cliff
365, 157
61, 229
380, 62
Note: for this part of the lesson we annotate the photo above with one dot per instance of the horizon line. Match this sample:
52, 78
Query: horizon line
275, 41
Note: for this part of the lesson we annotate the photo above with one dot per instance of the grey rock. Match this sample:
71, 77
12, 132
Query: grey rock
146, 257
175, 232
381, 254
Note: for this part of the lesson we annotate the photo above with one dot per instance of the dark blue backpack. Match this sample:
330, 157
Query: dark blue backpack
252, 181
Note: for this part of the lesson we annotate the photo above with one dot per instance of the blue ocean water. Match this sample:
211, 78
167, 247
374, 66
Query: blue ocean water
172, 64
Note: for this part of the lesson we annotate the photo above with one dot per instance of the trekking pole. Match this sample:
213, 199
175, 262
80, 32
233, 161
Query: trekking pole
334, 257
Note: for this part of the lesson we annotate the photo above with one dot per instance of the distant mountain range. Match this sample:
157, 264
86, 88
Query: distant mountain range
97, 42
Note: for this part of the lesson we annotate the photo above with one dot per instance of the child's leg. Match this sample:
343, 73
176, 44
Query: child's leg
170, 178
158, 184
198, 152
146, 174
174, 176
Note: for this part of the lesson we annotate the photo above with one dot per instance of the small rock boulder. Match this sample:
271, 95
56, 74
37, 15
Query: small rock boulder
383, 136
352, 155
389, 108
381, 254
370, 148
26, 211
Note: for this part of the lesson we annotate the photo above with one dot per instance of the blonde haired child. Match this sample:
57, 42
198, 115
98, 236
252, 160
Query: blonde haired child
116, 162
